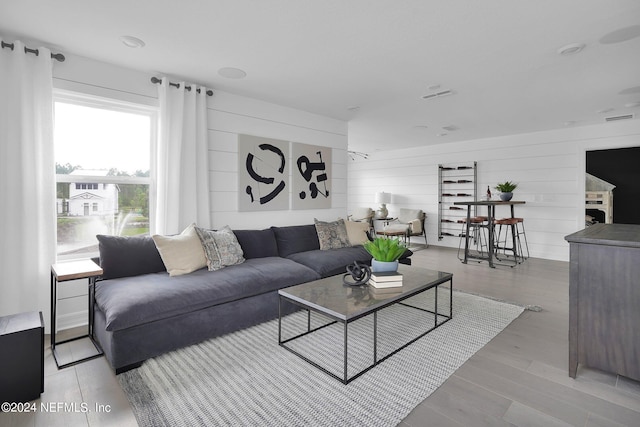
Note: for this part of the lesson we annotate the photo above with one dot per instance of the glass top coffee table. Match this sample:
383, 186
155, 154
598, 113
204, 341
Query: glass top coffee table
342, 305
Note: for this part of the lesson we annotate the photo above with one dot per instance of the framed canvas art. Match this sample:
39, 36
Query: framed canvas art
310, 176
263, 174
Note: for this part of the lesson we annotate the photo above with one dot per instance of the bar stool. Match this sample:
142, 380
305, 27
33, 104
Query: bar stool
510, 225
477, 225
521, 232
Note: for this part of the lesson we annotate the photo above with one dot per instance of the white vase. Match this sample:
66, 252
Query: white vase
380, 266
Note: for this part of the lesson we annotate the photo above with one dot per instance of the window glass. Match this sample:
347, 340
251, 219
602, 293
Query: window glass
102, 155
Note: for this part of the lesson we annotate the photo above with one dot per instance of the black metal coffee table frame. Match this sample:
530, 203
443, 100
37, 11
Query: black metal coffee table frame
345, 379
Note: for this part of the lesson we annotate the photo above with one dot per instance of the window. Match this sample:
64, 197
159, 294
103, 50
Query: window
103, 167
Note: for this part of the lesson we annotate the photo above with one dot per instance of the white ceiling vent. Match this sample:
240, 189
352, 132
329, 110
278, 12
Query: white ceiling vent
439, 94
616, 118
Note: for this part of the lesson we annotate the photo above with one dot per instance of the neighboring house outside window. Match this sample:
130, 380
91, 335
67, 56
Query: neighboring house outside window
104, 200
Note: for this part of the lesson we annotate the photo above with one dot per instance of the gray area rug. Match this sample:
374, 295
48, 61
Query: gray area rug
246, 379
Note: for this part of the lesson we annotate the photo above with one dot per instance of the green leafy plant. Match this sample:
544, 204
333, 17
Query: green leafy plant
506, 187
385, 250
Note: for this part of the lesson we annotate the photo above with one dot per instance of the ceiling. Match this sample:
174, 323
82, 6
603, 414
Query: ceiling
370, 62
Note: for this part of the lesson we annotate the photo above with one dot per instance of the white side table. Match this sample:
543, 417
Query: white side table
63, 272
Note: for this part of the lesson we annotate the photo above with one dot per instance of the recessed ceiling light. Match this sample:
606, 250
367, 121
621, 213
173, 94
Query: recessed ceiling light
450, 128
421, 127
353, 108
630, 91
621, 35
632, 104
232, 73
618, 118
132, 42
605, 110
571, 49
438, 94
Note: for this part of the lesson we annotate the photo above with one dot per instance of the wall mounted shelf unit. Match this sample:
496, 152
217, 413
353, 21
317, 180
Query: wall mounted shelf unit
456, 183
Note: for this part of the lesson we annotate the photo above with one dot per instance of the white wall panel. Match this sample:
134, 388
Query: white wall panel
230, 115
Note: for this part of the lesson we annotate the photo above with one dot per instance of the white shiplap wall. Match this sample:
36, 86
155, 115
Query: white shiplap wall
229, 115
548, 166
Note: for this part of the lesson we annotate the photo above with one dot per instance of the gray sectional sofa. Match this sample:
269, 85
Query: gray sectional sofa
142, 312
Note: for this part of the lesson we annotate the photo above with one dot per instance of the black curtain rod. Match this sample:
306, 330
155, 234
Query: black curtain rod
155, 80
57, 56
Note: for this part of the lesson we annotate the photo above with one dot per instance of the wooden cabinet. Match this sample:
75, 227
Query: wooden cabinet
604, 299
21, 357
456, 183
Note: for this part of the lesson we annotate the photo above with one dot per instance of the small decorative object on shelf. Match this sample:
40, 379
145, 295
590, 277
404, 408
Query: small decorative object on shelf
506, 190
488, 193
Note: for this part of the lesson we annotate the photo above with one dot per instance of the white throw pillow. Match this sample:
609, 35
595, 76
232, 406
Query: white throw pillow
357, 232
181, 254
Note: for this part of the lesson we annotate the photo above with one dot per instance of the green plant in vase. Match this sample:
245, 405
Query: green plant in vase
385, 253
506, 190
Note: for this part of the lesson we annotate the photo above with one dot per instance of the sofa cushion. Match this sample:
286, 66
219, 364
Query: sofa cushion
335, 261
181, 254
128, 256
221, 248
132, 301
257, 243
296, 238
332, 235
357, 232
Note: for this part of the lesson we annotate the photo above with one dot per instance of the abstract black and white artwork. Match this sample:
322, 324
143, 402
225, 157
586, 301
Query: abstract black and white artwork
263, 174
310, 176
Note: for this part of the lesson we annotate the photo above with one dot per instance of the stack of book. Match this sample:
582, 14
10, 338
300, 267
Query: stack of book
385, 279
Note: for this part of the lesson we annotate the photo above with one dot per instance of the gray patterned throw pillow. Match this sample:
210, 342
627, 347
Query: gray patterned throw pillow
221, 247
332, 235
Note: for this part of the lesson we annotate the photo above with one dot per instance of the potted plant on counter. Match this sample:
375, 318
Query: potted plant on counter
506, 190
385, 253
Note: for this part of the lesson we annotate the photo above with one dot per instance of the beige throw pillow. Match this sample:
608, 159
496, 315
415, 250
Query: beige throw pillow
181, 254
357, 232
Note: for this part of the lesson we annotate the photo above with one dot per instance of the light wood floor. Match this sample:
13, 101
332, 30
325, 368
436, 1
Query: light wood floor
520, 378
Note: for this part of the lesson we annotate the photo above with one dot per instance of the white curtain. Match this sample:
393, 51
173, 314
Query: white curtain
27, 181
182, 166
